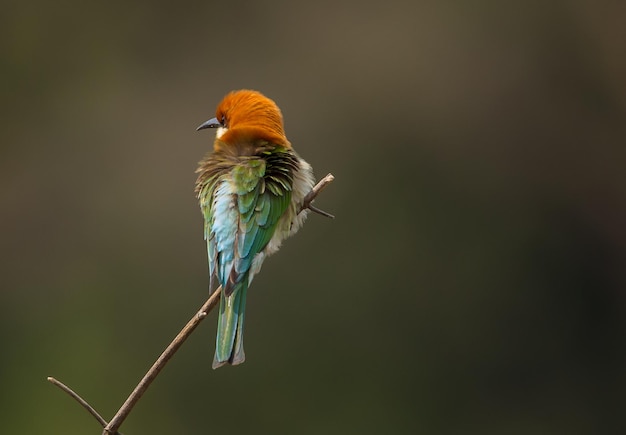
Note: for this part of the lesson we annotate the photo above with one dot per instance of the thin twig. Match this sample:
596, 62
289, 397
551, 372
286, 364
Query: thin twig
151, 374
79, 399
310, 197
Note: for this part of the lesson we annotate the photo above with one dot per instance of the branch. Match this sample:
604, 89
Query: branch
310, 197
111, 427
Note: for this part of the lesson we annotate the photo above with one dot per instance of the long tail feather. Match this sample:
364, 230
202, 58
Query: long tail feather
229, 339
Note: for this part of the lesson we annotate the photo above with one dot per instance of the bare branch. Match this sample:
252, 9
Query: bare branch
79, 399
111, 427
151, 374
310, 197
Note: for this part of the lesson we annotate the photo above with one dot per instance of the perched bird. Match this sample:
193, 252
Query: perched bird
250, 190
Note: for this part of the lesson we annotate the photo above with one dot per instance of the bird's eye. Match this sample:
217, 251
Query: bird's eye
223, 120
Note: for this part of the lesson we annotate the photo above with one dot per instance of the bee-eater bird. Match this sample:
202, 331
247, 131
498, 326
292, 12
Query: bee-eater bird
250, 188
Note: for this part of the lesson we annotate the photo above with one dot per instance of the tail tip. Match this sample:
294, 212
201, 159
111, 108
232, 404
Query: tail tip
234, 360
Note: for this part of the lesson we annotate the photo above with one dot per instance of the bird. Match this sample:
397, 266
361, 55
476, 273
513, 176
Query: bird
250, 187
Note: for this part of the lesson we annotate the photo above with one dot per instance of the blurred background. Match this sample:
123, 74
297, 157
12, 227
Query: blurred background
472, 282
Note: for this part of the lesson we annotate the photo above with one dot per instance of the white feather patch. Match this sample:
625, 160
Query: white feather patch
220, 132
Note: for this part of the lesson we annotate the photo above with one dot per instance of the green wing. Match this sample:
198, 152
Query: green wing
242, 201
261, 198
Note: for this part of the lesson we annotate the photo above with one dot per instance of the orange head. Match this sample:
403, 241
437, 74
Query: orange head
247, 116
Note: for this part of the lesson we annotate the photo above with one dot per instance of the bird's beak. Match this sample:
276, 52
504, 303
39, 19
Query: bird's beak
211, 123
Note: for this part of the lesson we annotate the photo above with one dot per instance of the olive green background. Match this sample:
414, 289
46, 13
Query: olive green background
472, 282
